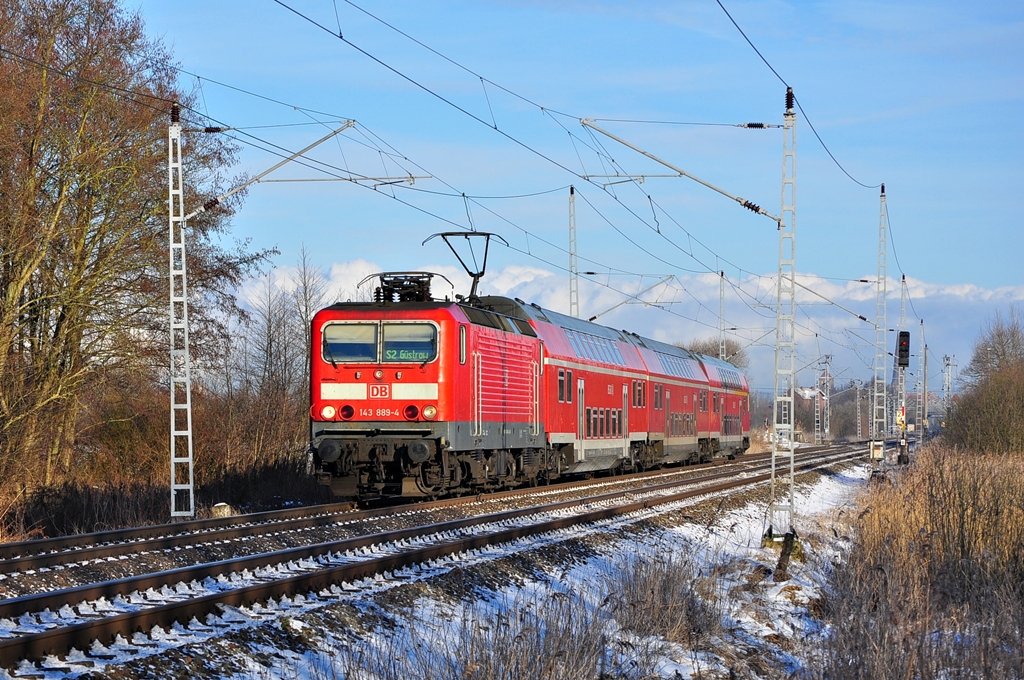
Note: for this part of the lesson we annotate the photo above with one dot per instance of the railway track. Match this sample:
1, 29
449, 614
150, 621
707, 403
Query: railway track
65, 550
192, 600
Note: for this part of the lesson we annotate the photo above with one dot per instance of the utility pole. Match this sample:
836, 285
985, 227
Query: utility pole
574, 270
878, 429
782, 508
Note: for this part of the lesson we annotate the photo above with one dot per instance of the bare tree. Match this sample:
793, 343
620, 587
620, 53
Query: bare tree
309, 297
1000, 346
83, 246
734, 352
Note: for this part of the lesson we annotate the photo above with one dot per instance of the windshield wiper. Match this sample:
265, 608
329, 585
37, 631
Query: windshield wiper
330, 355
433, 350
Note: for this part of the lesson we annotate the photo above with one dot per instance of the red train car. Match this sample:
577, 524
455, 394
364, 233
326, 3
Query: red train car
412, 396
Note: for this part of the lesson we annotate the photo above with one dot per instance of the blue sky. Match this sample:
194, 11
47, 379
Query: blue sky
925, 97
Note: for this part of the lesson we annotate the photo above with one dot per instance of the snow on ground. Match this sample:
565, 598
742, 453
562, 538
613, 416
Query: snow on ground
450, 617
769, 629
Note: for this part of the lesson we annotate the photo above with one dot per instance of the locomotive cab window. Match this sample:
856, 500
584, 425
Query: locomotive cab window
350, 343
414, 342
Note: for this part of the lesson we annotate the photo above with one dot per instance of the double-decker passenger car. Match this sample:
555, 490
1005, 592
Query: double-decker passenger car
412, 396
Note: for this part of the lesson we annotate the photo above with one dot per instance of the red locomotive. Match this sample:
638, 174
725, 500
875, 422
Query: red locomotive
417, 397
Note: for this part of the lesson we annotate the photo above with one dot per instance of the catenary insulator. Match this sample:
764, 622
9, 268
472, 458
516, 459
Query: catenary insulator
175, 113
789, 99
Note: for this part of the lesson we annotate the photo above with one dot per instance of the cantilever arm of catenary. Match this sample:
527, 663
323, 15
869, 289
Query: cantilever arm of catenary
212, 202
833, 302
589, 122
633, 297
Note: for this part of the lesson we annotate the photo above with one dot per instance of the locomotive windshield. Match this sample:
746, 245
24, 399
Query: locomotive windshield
350, 343
410, 342
357, 343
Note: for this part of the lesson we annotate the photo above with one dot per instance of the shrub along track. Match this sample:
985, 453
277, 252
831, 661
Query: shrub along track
186, 596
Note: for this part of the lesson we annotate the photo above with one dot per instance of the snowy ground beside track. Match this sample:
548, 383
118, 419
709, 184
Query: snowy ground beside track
768, 629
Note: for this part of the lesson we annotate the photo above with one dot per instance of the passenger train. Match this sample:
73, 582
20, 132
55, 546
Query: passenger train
418, 397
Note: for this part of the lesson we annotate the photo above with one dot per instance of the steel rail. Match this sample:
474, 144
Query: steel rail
48, 552
61, 639
54, 600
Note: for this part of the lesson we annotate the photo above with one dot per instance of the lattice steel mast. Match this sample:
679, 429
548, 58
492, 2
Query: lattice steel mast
901, 381
182, 477
574, 270
921, 417
721, 315
782, 508
860, 431
878, 429
824, 398
180, 376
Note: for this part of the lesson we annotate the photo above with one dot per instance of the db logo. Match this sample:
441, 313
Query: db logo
380, 391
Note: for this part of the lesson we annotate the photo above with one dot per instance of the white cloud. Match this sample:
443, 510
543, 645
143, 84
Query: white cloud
687, 308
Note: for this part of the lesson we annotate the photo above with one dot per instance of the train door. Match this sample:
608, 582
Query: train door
624, 422
581, 421
668, 414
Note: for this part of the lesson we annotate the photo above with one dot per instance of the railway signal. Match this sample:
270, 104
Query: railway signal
903, 349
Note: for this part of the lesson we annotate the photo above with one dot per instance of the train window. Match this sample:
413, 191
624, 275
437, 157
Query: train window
657, 397
350, 343
643, 394
703, 401
575, 343
561, 385
596, 418
615, 423
413, 342
716, 400
524, 327
600, 422
462, 344
589, 428
568, 391
620, 422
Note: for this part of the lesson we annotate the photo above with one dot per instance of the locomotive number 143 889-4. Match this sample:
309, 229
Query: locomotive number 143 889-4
378, 412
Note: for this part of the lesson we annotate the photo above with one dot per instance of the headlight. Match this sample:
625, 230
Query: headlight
429, 412
378, 374
328, 412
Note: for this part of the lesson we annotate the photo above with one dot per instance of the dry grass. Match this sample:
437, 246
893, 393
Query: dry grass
934, 587
74, 508
618, 629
